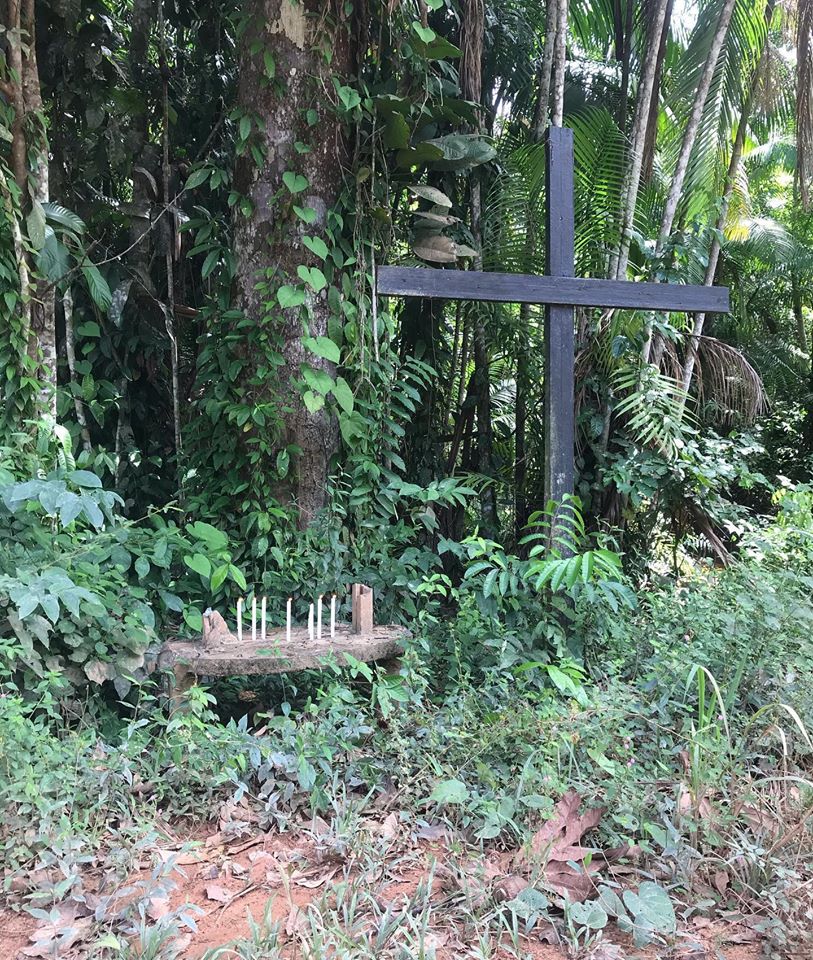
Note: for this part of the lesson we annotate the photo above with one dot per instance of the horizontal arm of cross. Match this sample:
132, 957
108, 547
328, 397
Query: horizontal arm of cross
562, 291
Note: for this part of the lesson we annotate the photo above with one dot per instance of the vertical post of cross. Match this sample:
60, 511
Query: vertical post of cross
559, 335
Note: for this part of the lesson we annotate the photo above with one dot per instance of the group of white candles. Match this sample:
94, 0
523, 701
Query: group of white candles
313, 632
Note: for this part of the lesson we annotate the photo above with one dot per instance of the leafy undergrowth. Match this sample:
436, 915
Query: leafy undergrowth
656, 801
369, 884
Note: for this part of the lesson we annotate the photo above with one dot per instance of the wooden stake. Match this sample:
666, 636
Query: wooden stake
362, 597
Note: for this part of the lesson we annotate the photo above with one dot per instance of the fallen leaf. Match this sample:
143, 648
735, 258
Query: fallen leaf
310, 881
720, 881
434, 831
557, 843
389, 828
295, 921
214, 891
509, 888
159, 907
55, 939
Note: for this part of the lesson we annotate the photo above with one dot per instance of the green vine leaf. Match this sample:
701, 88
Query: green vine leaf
313, 276
295, 182
323, 347
317, 246
427, 34
349, 97
313, 401
289, 296
308, 214
343, 394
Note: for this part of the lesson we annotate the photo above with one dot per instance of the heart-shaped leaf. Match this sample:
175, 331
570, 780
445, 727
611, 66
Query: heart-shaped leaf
317, 246
313, 401
343, 394
288, 296
308, 214
313, 276
295, 182
323, 347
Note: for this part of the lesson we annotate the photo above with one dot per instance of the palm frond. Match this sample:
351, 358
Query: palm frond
729, 388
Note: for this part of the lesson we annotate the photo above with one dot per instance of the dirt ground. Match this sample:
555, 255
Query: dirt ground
228, 880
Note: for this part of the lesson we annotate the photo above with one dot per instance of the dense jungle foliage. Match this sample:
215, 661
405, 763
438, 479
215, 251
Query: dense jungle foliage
204, 400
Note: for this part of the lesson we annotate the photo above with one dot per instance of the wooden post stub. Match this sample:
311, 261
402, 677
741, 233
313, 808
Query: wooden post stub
362, 606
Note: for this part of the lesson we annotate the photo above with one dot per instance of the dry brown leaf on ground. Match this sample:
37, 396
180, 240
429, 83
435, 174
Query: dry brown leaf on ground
390, 826
558, 844
311, 879
559, 838
509, 888
55, 939
295, 921
214, 891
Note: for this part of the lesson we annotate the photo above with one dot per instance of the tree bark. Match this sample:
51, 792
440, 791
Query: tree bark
70, 350
798, 315
693, 123
689, 136
714, 253
268, 243
559, 64
651, 134
545, 69
625, 56
632, 174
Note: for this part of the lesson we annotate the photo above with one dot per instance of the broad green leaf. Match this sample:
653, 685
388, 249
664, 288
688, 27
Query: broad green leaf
323, 347
97, 285
308, 214
288, 296
295, 182
214, 539
35, 225
427, 34
313, 276
197, 177
199, 563
219, 577
313, 401
84, 478
343, 394
450, 791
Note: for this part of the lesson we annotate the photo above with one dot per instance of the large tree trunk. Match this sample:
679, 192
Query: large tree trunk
632, 173
687, 144
731, 176
559, 64
651, 134
42, 344
268, 242
29, 164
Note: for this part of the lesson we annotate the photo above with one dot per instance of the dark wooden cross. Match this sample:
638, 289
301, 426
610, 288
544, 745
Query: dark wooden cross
560, 291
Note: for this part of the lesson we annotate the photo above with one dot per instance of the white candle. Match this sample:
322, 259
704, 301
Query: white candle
319, 617
288, 622
240, 619
262, 618
310, 623
333, 615
254, 619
